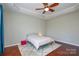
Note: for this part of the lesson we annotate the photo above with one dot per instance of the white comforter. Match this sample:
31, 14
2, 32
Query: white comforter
38, 41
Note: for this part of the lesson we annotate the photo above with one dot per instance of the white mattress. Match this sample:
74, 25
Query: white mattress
38, 41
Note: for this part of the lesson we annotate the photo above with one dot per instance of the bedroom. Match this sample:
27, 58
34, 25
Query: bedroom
21, 20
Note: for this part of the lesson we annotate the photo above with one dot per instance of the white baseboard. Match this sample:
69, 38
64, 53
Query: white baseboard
68, 43
55, 40
11, 45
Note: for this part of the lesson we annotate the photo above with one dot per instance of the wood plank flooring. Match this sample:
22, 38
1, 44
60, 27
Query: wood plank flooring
11, 51
64, 50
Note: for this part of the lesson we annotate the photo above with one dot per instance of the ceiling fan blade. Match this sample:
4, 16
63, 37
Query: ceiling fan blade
45, 4
43, 12
39, 8
51, 10
53, 5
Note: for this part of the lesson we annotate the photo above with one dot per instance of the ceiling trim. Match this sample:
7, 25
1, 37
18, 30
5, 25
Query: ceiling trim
65, 11
45, 17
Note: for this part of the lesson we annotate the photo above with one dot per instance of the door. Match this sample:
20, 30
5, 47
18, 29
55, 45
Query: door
1, 29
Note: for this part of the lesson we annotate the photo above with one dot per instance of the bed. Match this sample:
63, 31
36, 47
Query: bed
38, 41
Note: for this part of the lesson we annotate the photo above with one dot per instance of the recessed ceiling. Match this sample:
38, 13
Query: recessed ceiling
29, 8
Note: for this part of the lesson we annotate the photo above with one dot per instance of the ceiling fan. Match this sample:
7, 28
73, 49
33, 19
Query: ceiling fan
48, 8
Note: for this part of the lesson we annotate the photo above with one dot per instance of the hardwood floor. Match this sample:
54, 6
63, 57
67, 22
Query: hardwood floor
11, 51
64, 50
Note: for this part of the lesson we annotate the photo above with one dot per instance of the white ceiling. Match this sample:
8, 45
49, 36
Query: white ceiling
29, 8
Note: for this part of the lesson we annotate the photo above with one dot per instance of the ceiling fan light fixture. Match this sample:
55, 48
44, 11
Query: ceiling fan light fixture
46, 9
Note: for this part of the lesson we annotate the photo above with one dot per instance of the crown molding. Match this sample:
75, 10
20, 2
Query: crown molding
43, 16
64, 11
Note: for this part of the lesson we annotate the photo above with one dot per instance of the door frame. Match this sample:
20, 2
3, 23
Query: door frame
2, 31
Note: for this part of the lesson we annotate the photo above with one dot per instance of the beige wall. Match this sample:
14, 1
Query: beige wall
65, 28
17, 25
